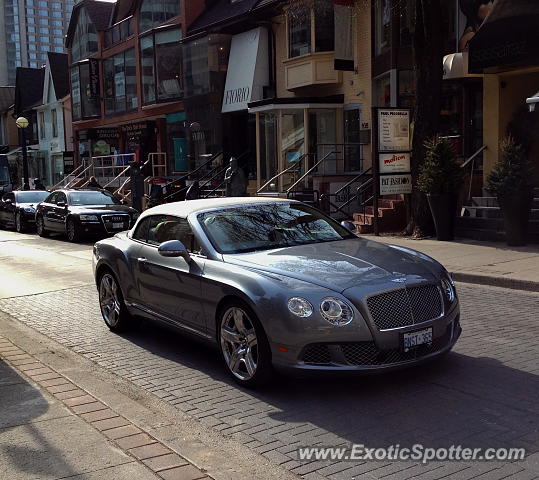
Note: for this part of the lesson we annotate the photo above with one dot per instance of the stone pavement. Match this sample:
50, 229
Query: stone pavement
483, 395
487, 263
50, 428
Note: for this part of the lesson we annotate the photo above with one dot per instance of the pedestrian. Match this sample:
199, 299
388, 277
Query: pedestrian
93, 183
38, 184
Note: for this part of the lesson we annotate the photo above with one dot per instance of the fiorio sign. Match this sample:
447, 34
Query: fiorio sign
394, 162
248, 70
395, 184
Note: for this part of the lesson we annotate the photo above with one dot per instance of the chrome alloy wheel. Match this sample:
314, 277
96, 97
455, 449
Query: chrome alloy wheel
109, 300
239, 343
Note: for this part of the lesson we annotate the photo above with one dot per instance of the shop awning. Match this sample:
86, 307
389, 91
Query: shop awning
508, 38
291, 103
456, 66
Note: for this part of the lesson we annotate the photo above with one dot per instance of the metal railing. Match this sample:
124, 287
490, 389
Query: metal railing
310, 170
361, 189
68, 178
295, 166
472, 161
222, 172
179, 182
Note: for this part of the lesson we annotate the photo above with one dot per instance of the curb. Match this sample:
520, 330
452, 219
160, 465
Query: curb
128, 437
512, 283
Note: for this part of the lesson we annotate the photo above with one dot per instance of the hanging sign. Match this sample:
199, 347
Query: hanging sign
393, 130
394, 162
395, 184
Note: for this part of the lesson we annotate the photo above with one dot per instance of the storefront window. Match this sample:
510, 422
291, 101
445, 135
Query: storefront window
352, 138
382, 89
322, 138
292, 142
268, 149
161, 65
156, 12
311, 29
85, 38
383, 26
120, 83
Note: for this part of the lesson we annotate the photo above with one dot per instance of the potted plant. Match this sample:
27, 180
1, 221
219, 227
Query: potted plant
439, 178
510, 182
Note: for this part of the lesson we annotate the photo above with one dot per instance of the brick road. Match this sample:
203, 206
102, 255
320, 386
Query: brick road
485, 394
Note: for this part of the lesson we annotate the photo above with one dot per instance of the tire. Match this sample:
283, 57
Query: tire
41, 227
72, 231
244, 345
111, 303
19, 224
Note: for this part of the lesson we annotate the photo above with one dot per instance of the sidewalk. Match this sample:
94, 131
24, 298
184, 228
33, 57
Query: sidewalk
52, 429
486, 263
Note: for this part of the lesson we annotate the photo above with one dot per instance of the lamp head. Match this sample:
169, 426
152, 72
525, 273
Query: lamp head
21, 122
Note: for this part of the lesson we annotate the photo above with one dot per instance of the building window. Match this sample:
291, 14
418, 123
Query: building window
41, 125
43, 13
120, 83
57, 31
311, 29
58, 41
31, 29
32, 56
156, 12
57, 14
383, 26
161, 66
56, 5
31, 38
44, 30
119, 32
43, 21
30, 11
59, 49
44, 39
43, 4
54, 117
84, 39
57, 23
84, 96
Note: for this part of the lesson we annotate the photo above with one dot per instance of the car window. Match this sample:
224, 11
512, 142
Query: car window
61, 197
31, 197
162, 228
52, 197
97, 197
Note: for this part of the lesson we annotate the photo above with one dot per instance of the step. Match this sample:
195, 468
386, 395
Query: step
491, 212
485, 202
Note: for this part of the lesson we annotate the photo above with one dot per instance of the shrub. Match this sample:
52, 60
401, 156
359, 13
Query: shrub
440, 173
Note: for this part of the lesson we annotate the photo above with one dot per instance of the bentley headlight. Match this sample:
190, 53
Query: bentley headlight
336, 312
89, 218
300, 307
448, 287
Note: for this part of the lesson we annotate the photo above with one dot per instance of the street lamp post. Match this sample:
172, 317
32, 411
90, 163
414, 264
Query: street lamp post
22, 123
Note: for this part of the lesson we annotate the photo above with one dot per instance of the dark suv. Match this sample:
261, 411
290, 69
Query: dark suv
79, 212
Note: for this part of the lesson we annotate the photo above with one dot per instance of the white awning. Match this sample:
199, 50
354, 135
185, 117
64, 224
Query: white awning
456, 66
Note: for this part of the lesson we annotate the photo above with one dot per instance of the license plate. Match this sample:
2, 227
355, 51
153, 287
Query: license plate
118, 225
414, 339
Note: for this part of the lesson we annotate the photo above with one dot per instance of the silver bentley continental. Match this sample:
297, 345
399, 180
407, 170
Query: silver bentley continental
277, 285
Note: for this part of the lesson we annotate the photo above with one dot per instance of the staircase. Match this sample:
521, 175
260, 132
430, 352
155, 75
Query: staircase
482, 220
391, 215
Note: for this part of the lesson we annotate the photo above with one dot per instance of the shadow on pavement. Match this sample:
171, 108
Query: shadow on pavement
25, 449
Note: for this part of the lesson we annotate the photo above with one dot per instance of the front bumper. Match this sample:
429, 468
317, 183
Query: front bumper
373, 355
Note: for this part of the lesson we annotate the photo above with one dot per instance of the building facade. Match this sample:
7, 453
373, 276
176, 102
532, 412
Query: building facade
28, 30
127, 85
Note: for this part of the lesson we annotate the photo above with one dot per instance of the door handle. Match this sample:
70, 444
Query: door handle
142, 260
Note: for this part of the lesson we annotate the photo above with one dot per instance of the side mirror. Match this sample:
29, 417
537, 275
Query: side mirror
174, 248
123, 201
7, 200
349, 226
61, 204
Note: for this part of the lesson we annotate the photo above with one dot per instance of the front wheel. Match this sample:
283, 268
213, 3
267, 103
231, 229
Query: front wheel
72, 231
40, 226
112, 304
244, 346
19, 225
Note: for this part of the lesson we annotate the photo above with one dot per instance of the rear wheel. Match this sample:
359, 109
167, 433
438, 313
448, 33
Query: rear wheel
111, 303
244, 346
40, 226
19, 225
72, 231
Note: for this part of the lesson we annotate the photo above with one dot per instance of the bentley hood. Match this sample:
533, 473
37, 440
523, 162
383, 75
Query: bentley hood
344, 264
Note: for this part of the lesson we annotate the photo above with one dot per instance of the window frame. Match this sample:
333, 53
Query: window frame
112, 60
312, 33
154, 23
152, 34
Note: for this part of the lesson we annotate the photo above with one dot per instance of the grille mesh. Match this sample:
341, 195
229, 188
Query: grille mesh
317, 354
367, 353
405, 306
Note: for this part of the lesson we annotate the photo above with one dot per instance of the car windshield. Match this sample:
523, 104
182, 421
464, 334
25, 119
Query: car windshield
267, 226
31, 197
92, 198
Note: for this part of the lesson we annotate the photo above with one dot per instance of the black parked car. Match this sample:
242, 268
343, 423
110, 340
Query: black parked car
18, 209
79, 212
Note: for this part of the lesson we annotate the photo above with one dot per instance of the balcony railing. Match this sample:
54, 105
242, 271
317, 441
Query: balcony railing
119, 32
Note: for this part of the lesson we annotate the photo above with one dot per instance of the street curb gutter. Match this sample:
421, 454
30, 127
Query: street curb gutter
512, 283
134, 441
